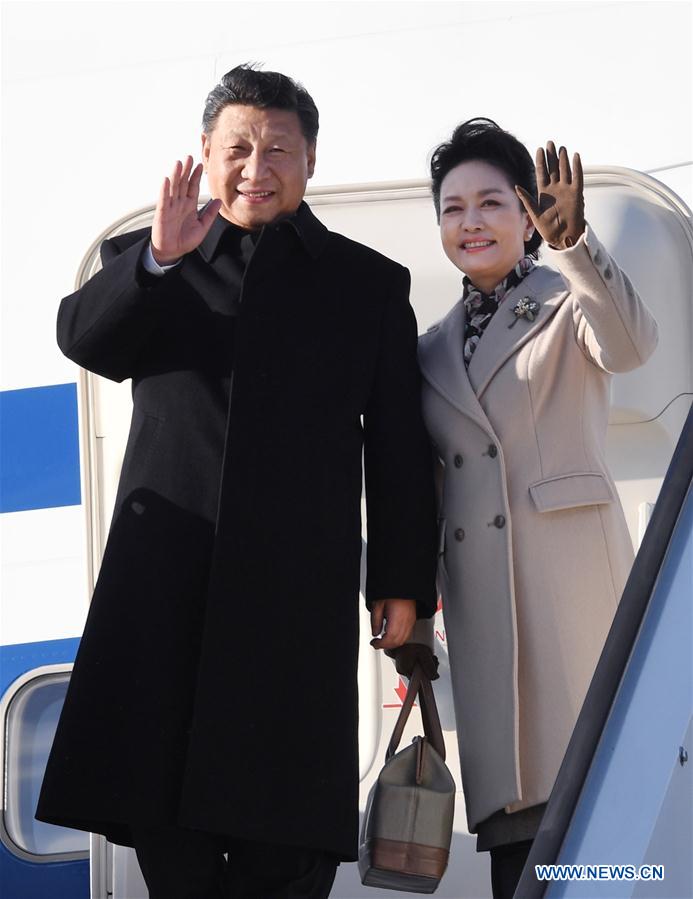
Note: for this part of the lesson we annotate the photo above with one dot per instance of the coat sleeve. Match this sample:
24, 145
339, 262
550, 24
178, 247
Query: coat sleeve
613, 327
105, 325
400, 498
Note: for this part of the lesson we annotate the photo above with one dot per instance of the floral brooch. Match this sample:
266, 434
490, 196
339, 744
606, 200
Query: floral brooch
526, 308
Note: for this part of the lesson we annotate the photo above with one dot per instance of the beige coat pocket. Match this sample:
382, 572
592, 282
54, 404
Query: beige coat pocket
583, 488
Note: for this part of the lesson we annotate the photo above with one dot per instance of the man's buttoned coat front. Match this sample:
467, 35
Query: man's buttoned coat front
215, 684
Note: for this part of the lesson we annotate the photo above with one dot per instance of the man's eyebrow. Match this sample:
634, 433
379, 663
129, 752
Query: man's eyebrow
480, 193
234, 137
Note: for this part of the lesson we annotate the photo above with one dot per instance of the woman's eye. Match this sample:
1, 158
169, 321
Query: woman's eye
490, 203
451, 209
277, 150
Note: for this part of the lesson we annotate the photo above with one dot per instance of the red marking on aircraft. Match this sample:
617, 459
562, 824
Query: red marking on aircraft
401, 691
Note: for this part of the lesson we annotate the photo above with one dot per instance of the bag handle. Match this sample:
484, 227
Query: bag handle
421, 685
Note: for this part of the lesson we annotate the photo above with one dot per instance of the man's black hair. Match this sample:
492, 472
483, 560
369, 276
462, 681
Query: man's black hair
247, 86
483, 140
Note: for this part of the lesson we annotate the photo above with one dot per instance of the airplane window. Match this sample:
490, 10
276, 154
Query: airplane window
30, 723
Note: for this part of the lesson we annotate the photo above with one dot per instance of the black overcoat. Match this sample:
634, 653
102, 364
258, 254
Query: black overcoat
215, 683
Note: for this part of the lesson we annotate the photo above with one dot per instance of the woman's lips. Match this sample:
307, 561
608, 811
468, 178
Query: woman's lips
476, 246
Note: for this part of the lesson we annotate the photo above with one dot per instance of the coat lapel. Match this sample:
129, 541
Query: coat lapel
440, 348
442, 365
500, 340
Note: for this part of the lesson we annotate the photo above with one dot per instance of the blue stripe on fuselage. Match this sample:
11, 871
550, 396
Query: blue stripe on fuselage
39, 448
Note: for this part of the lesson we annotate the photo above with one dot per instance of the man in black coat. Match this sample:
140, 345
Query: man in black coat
213, 703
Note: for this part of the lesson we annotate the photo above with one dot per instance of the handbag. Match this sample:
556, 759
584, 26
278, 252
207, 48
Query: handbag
407, 826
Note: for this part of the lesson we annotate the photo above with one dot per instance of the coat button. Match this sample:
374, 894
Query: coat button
459, 461
493, 450
459, 535
499, 521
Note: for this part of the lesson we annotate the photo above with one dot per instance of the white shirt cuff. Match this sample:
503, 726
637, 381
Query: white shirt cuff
152, 266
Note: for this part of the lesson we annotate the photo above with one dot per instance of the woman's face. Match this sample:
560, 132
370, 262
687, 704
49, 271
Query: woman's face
482, 224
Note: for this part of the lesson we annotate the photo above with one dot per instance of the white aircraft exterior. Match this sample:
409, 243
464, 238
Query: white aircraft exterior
100, 99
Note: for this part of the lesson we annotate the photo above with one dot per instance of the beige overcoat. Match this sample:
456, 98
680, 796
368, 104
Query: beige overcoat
534, 549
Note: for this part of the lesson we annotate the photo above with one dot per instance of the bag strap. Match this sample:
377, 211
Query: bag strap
421, 685
430, 717
413, 689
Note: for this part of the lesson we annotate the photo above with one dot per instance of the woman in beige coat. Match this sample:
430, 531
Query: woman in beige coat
534, 550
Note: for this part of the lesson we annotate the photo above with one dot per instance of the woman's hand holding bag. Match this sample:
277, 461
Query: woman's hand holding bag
410, 654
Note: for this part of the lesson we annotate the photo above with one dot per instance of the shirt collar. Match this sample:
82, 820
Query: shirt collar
220, 226
311, 231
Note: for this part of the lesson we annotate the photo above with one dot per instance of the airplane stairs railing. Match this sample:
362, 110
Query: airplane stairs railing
623, 798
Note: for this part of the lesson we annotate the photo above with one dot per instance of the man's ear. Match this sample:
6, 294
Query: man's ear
206, 146
311, 160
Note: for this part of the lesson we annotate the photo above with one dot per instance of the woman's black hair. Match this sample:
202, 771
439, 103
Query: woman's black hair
247, 86
483, 140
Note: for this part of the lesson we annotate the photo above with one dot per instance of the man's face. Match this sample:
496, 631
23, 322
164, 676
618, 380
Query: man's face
257, 163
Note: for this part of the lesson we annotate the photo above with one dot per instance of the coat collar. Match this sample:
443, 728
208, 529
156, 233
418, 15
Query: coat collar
311, 232
310, 229
506, 333
442, 364
440, 348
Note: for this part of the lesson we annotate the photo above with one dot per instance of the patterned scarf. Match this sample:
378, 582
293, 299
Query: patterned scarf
480, 307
